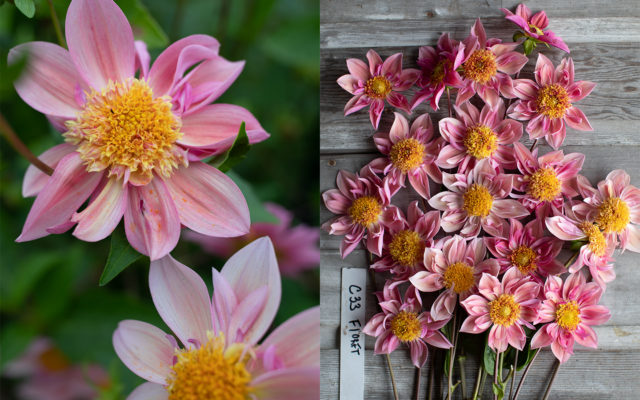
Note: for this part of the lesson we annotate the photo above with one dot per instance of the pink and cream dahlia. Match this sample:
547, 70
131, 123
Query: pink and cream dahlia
535, 26
568, 312
547, 103
456, 267
134, 143
379, 81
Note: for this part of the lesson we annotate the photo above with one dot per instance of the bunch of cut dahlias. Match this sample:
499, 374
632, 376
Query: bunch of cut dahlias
488, 242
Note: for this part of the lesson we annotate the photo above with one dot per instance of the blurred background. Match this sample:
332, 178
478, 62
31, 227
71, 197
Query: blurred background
55, 321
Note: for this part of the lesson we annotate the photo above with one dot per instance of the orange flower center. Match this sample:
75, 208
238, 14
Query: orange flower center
480, 141
406, 248
459, 276
597, 242
438, 73
52, 359
406, 326
480, 67
504, 310
544, 185
407, 154
525, 259
365, 210
613, 215
477, 201
568, 315
377, 87
553, 101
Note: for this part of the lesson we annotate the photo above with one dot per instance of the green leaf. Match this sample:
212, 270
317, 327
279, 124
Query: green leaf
256, 207
518, 35
498, 390
145, 27
529, 45
489, 359
27, 7
236, 153
121, 255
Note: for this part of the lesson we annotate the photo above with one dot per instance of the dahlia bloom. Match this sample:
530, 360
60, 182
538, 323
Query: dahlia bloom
296, 246
534, 26
547, 102
505, 307
134, 144
528, 250
405, 241
409, 153
545, 180
486, 71
457, 267
477, 199
476, 135
596, 251
361, 203
614, 206
568, 311
220, 356
404, 321
379, 81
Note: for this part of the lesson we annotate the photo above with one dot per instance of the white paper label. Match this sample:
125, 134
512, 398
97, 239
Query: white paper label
352, 320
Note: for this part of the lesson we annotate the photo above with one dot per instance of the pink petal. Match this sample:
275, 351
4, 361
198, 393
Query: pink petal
100, 41
579, 90
426, 281
103, 214
358, 69
392, 66
297, 340
509, 209
143, 59
181, 298
564, 229
576, 119
245, 314
586, 336
149, 391
399, 129
399, 101
375, 112
437, 339
418, 353
34, 179
541, 338
349, 82
594, 314
375, 62
544, 70
289, 384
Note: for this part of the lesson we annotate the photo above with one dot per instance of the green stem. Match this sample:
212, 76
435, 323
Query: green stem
572, 259
524, 374
452, 353
513, 377
495, 374
56, 24
463, 384
479, 379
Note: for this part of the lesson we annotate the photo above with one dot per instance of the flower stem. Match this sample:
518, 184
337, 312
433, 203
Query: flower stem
452, 353
56, 24
495, 374
572, 259
21, 148
432, 375
556, 367
479, 379
463, 384
533, 146
524, 375
513, 377
417, 389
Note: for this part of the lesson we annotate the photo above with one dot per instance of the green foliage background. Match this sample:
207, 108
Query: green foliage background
50, 286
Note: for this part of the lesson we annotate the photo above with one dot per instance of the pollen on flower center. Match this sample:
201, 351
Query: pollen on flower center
524, 258
613, 215
568, 315
406, 326
407, 154
365, 210
211, 372
477, 201
123, 127
406, 248
504, 310
480, 67
377, 87
597, 242
438, 72
458, 276
480, 141
544, 185
553, 101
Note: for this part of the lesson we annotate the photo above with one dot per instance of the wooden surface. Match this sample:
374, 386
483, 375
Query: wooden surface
603, 37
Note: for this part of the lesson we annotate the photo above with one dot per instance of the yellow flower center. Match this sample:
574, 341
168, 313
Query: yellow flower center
568, 315
407, 154
477, 201
406, 248
597, 241
553, 101
504, 310
525, 259
377, 87
536, 29
480, 67
211, 372
613, 215
365, 210
459, 276
437, 75
480, 141
125, 127
544, 185
406, 326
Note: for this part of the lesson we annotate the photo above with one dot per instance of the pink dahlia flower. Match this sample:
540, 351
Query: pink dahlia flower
545, 180
457, 268
134, 144
596, 251
534, 26
361, 203
409, 153
614, 207
569, 310
404, 321
296, 246
528, 250
486, 71
505, 307
547, 102
405, 241
379, 81
219, 356
477, 199
476, 135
